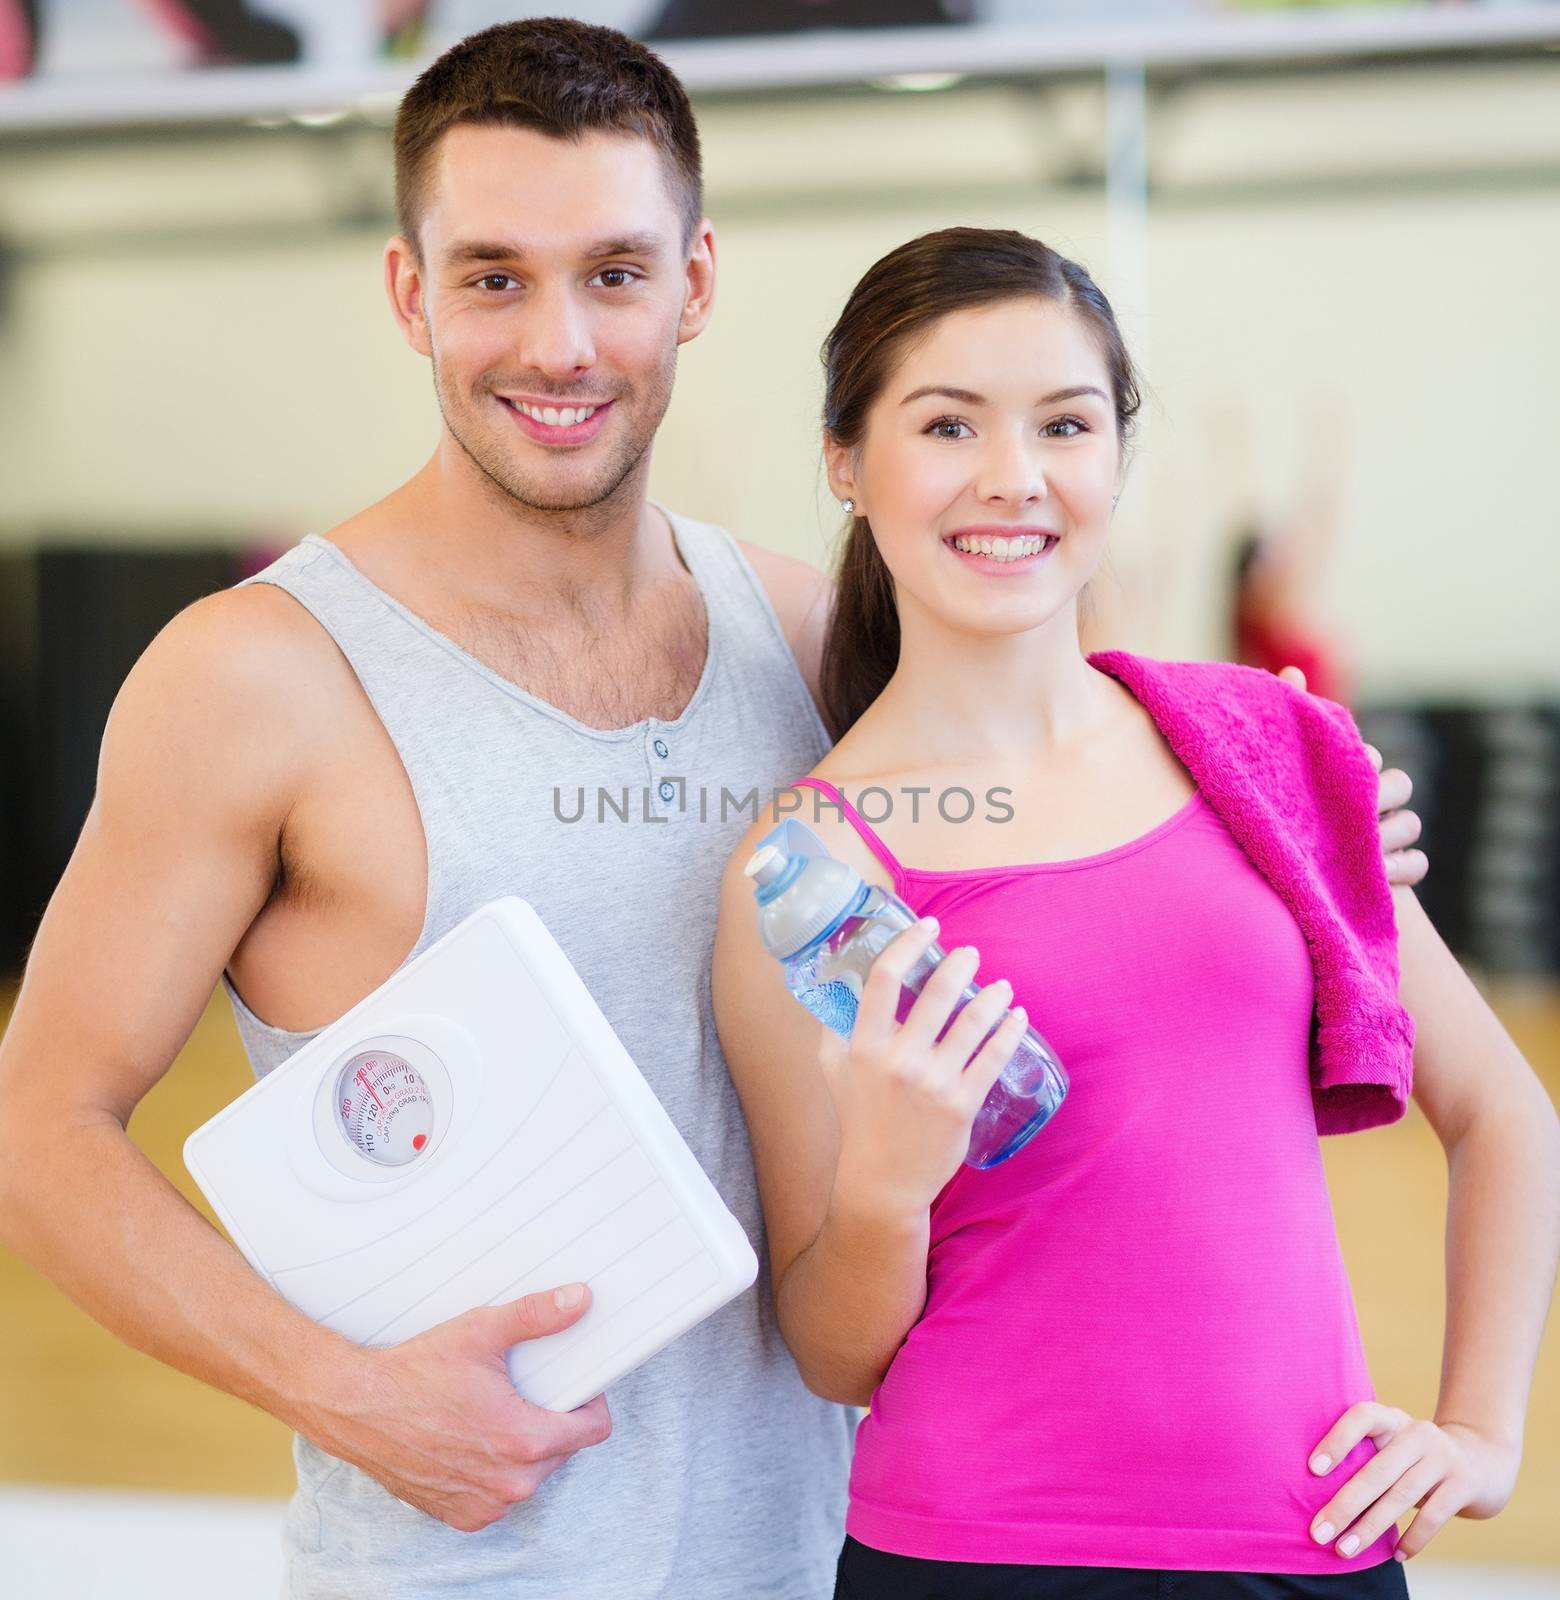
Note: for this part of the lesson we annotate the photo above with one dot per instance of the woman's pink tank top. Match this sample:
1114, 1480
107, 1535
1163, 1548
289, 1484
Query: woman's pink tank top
1138, 1328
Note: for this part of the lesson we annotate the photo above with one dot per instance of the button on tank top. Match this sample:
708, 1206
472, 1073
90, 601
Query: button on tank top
723, 1474
1138, 1328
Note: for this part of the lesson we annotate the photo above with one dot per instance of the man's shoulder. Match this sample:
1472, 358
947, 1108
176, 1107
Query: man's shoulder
797, 590
244, 662
221, 718
801, 596
252, 632
788, 579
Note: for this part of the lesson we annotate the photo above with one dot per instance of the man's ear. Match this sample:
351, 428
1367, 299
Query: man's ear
699, 300
404, 285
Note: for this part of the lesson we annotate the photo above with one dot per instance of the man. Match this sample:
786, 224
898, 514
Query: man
310, 777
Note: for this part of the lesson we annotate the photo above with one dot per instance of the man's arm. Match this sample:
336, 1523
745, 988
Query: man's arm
176, 858
802, 597
204, 754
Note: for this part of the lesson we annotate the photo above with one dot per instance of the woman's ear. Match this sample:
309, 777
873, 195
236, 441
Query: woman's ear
840, 464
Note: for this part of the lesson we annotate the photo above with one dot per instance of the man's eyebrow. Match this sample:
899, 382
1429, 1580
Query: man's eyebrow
624, 244
483, 250
969, 398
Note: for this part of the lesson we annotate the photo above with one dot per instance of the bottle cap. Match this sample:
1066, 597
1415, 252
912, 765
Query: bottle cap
802, 890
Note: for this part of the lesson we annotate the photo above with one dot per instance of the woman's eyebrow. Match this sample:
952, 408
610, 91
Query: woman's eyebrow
963, 396
1073, 394
968, 397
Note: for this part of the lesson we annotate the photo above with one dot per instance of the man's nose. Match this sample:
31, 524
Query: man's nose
557, 336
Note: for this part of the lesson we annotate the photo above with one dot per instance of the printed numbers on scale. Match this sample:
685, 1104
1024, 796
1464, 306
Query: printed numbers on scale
386, 1110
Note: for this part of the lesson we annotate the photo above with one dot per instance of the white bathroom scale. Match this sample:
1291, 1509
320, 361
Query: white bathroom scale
470, 1132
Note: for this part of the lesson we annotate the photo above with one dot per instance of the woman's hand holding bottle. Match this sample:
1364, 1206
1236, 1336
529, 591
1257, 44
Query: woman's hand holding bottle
906, 1092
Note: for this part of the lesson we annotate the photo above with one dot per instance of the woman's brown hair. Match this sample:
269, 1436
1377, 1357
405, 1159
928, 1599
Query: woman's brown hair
901, 296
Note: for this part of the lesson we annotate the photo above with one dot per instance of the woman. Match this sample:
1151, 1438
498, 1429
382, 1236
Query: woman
1125, 1362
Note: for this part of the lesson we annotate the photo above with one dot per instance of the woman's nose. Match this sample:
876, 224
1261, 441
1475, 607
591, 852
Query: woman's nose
1012, 475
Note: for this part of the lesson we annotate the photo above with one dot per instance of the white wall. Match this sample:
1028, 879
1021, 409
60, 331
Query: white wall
189, 352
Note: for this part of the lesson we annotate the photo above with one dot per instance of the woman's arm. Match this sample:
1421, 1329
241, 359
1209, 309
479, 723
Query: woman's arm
849, 1274
1502, 1142
850, 1144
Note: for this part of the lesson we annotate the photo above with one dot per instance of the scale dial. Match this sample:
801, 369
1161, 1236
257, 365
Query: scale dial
384, 1107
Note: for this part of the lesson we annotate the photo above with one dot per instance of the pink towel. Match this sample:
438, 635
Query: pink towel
1288, 774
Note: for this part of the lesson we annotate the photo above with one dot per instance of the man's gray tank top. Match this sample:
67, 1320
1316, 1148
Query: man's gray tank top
724, 1477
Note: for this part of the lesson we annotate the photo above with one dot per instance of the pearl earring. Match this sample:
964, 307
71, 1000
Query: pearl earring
848, 507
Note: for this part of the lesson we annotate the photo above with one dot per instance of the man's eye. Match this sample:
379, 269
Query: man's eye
948, 428
614, 277
494, 277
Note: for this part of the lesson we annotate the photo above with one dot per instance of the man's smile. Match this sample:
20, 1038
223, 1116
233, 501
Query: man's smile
546, 422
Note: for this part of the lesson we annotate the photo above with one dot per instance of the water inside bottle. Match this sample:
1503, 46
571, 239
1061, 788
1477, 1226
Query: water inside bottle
1006, 1123
832, 1003
828, 978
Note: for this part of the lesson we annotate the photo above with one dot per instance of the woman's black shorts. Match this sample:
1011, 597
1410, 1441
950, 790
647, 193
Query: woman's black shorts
867, 1574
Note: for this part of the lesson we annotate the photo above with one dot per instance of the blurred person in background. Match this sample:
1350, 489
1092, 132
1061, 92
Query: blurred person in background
18, 38
218, 33
1125, 1362
309, 778
1273, 618
1277, 617
698, 19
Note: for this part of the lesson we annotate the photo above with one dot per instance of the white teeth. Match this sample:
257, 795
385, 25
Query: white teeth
554, 416
1002, 549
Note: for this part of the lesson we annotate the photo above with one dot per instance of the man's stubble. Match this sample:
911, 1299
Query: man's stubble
503, 472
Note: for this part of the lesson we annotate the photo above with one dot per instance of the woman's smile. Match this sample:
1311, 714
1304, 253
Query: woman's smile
1003, 550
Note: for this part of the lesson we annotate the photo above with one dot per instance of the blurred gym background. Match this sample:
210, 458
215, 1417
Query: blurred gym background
1332, 233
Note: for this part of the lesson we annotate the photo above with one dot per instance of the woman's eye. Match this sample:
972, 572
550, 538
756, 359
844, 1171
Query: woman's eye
948, 428
1074, 426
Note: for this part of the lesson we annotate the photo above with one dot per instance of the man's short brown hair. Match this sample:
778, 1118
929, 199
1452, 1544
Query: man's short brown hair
560, 77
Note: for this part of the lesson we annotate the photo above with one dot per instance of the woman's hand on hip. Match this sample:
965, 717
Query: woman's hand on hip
1447, 1469
906, 1093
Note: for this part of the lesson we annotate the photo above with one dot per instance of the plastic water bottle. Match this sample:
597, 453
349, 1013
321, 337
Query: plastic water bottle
827, 925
